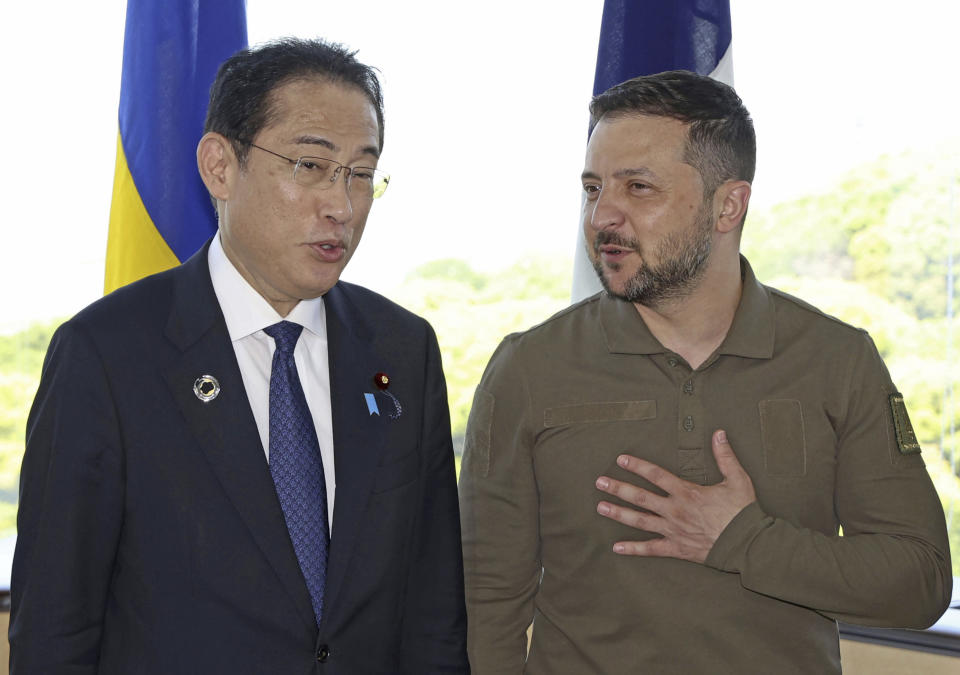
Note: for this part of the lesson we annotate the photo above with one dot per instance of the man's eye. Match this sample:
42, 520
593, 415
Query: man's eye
309, 165
362, 173
639, 186
591, 189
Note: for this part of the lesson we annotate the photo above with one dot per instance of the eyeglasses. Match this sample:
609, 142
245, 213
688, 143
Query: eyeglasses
321, 173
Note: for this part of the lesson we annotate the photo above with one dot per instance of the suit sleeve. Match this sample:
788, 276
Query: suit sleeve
891, 567
70, 515
434, 624
500, 517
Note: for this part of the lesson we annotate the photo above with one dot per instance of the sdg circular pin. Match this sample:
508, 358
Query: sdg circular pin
206, 388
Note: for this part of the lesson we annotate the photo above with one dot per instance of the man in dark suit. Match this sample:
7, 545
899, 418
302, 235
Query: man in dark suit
243, 465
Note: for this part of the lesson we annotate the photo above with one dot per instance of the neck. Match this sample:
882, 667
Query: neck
696, 324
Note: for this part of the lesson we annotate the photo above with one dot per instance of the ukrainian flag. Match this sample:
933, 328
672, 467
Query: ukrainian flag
161, 213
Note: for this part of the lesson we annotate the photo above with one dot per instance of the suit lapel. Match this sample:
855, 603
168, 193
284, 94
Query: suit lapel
357, 439
224, 427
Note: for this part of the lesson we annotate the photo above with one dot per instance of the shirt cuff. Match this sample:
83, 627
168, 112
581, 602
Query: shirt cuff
729, 552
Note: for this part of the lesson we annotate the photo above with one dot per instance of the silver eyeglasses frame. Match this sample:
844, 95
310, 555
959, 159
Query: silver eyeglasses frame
379, 180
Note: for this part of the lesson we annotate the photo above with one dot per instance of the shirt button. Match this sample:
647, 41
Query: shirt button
322, 653
688, 423
673, 362
688, 387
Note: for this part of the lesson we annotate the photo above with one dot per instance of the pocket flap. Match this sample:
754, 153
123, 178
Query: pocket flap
608, 411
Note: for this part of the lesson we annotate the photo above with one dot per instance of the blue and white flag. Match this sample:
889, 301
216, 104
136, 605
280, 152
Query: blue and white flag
642, 37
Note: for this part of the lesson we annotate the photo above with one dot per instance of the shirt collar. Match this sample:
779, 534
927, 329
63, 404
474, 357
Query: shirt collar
753, 330
245, 310
751, 334
624, 329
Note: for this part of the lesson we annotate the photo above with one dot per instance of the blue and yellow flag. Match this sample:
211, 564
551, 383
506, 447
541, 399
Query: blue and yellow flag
161, 212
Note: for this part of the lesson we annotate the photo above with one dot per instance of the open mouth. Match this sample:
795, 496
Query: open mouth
328, 251
613, 253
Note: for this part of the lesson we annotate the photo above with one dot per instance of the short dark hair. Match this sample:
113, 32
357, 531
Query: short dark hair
721, 142
241, 104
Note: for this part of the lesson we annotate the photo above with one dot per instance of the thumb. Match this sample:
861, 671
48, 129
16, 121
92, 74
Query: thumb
727, 461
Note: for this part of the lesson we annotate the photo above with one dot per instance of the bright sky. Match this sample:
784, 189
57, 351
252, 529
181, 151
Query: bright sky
485, 120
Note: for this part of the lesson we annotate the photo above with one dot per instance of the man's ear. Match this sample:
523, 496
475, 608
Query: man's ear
733, 198
217, 164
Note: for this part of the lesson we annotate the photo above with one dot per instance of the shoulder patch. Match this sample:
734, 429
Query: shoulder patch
906, 439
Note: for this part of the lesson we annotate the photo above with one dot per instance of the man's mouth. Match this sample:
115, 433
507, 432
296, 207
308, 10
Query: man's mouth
612, 249
328, 251
612, 243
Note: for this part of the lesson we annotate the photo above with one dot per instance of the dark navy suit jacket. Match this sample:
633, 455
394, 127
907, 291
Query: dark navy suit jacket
151, 539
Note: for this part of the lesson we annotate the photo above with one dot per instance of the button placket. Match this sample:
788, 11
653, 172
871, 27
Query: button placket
688, 409
690, 416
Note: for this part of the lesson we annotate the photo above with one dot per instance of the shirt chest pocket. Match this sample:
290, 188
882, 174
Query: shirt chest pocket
606, 411
784, 440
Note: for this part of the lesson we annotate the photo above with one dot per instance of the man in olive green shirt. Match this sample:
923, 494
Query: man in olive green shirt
656, 476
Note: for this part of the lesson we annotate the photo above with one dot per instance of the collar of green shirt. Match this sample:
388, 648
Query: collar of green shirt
751, 334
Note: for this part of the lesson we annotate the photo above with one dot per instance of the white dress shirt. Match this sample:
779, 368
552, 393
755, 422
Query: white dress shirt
247, 313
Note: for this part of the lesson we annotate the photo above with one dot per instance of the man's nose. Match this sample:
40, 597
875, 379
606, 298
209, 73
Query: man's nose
604, 211
335, 200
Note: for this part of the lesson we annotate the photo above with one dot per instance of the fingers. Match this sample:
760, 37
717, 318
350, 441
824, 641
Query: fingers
662, 478
689, 517
631, 493
659, 548
637, 519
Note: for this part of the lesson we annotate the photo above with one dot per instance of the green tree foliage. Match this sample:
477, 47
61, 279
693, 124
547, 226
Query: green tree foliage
451, 269
471, 312
889, 226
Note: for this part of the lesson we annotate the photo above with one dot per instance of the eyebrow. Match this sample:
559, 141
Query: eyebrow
627, 173
620, 173
323, 142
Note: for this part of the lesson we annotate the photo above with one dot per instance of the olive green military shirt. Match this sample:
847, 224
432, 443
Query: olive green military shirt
814, 419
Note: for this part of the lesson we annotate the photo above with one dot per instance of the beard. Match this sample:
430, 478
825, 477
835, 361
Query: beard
682, 262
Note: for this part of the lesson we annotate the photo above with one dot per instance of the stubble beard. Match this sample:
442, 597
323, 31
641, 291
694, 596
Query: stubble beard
682, 262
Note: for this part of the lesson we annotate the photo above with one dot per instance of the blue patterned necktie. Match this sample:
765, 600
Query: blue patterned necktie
295, 464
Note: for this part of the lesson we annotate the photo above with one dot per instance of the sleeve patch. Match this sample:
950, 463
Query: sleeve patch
906, 439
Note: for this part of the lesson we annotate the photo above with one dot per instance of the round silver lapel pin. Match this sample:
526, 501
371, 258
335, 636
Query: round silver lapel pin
206, 388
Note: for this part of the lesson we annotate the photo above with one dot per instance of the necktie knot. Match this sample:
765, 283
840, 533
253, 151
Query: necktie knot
285, 334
